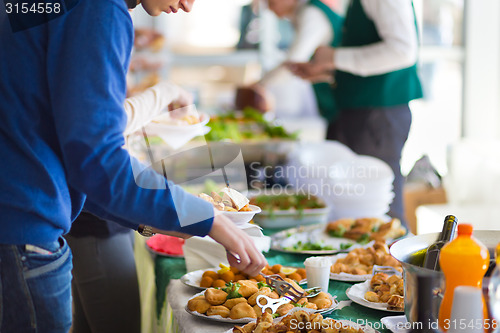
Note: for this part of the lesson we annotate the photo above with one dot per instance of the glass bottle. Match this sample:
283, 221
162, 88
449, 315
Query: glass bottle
431, 260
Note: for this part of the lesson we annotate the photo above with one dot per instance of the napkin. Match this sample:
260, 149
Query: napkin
204, 252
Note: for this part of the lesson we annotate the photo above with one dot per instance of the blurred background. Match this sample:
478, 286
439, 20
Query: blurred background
223, 44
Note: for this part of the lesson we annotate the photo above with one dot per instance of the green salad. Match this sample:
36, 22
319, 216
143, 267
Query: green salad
315, 246
248, 124
287, 201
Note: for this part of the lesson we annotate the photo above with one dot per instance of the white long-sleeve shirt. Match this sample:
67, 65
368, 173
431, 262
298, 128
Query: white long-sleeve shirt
142, 108
398, 48
312, 29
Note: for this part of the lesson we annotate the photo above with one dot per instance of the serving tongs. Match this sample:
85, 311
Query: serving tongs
287, 292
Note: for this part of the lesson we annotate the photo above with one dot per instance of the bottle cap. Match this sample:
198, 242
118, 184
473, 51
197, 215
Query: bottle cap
465, 229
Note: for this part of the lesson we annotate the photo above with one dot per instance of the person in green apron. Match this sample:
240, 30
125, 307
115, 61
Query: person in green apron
315, 24
375, 79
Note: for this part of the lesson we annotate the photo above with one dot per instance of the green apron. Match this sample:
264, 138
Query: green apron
390, 89
324, 92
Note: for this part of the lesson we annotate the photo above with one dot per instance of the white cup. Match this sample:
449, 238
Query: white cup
467, 310
318, 272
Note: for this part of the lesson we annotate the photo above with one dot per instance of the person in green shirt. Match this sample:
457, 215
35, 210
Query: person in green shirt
315, 24
375, 77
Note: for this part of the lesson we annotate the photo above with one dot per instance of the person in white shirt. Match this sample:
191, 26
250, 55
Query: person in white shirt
375, 76
315, 24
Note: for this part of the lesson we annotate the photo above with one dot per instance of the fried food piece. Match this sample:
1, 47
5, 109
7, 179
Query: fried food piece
215, 296
248, 328
206, 282
218, 310
198, 304
284, 309
322, 300
372, 296
294, 284
219, 283
230, 303
246, 208
295, 277
396, 302
378, 279
239, 277
276, 268
252, 300
242, 310
247, 288
211, 274
227, 276
258, 278
314, 306
258, 310
302, 273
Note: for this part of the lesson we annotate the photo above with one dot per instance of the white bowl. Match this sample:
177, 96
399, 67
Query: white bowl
280, 219
240, 218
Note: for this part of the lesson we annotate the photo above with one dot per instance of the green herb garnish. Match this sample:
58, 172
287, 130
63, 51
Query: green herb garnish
345, 246
232, 290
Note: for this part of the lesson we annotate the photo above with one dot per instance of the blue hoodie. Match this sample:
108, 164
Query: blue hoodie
62, 88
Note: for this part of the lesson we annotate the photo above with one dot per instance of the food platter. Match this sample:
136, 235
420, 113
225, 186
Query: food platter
287, 241
291, 218
221, 319
193, 279
346, 277
356, 294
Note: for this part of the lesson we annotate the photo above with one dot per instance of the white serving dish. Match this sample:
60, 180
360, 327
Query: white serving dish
279, 219
240, 218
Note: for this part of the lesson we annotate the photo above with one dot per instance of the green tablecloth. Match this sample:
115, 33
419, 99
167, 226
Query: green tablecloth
173, 268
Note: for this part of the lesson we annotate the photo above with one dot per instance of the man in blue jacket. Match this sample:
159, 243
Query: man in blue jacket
62, 88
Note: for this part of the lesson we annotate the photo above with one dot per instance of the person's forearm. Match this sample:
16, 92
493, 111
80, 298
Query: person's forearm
142, 108
312, 30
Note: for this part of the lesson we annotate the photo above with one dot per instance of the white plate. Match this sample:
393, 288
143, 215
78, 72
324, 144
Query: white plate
157, 126
279, 219
356, 294
346, 277
240, 218
193, 279
284, 240
396, 324
247, 320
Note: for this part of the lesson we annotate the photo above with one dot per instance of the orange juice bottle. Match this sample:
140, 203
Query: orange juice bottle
464, 261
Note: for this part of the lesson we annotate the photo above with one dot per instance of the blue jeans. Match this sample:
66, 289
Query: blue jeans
35, 289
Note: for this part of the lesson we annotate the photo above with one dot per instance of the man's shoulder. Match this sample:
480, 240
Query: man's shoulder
98, 6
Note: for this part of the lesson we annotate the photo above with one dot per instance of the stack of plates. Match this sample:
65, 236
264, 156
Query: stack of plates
309, 166
362, 187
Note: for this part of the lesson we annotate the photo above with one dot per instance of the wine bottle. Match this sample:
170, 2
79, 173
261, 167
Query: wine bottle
425, 322
431, 260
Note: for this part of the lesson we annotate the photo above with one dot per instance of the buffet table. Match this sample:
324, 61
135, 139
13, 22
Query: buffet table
164, 297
